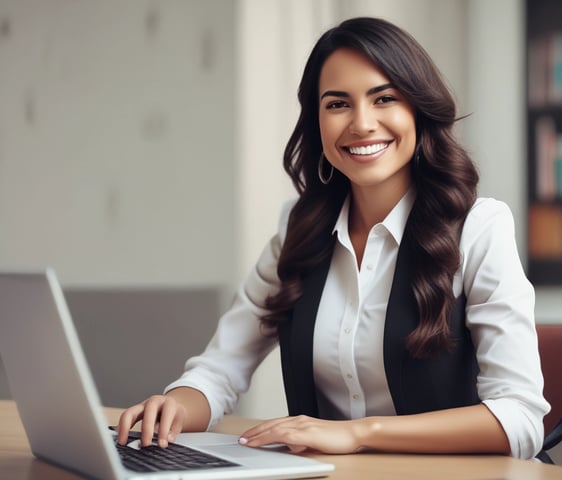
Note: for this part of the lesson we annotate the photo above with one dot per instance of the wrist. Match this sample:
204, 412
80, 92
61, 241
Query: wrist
366, 431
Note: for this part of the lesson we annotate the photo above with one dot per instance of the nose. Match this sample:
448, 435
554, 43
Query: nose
363, 120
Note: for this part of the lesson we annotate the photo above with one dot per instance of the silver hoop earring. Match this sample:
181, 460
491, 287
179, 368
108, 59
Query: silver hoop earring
323, 179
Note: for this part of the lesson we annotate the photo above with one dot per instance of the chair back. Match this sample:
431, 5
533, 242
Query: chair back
550, 349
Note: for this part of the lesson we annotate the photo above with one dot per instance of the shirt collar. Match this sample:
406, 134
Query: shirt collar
394, 223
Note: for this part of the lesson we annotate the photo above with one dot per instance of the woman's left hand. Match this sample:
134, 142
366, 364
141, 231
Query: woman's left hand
301, 433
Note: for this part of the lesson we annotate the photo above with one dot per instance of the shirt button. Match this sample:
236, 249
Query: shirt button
347, 330
355, 397
349, 375
369, 267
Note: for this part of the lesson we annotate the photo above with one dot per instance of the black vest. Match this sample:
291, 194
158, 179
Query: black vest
446, 380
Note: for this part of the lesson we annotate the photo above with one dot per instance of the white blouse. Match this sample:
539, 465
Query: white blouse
348, 351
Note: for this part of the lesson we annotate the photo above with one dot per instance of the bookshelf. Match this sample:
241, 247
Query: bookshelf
544, 140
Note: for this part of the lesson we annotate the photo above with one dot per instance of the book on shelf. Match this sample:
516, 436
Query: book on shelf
545, 70
545, 231
548, 154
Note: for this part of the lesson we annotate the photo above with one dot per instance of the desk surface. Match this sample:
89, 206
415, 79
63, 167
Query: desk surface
17, 462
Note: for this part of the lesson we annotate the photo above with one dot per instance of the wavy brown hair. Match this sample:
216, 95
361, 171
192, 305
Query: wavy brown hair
442, 172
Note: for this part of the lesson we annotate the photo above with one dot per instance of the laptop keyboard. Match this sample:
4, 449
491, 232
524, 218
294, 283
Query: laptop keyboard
174, 457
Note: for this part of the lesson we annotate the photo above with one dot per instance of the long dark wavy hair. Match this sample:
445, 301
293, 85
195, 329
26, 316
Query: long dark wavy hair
443, 174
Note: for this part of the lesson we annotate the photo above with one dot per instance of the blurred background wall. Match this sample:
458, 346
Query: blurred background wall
118, 162
141, 140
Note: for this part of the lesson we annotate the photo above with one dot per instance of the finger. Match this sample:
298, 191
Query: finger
276, 436
168, 415
281, 432
263, 427
175, 430
178, 424
127, 420
150, 418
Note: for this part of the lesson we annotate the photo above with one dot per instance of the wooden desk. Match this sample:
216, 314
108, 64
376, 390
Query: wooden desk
17, 462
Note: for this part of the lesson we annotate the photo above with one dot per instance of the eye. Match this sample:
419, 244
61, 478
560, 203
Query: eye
385, 99
336, 104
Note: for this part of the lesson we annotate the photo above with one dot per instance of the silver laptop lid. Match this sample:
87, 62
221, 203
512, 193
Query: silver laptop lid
57, 399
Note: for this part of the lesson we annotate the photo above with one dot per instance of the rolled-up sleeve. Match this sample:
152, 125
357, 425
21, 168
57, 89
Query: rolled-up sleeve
500, 316
223, 371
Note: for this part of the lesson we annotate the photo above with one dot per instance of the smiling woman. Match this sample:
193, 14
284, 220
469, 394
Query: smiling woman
404, 318
368, 133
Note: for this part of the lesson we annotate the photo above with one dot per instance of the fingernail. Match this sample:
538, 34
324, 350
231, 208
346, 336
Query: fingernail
242, 441
162, 443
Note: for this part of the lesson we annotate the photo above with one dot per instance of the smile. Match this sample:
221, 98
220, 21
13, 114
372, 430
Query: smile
368, 149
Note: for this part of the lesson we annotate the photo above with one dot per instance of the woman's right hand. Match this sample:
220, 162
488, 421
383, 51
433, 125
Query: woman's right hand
161, 414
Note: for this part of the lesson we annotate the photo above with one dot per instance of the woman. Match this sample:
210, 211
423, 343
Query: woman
404, 317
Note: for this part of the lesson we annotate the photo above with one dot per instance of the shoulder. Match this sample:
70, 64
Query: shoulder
487, 217
487, 208
488, 238
490, 265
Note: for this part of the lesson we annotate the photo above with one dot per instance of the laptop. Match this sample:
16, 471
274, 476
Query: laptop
63, 417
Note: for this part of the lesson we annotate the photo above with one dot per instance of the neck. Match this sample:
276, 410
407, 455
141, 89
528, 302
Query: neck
371, 206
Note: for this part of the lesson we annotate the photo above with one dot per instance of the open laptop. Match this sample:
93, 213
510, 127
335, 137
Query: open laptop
60, 408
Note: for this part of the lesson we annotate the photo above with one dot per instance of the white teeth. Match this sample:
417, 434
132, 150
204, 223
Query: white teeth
368, 149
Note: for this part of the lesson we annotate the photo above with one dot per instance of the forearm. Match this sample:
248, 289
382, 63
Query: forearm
461, 430
198, 410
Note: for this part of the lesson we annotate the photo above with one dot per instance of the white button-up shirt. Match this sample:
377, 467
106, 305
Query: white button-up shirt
348, 337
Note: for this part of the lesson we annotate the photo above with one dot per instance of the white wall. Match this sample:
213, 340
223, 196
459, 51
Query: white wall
117, 152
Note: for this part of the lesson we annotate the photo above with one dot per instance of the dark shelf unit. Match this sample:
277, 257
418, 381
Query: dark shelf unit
544, 140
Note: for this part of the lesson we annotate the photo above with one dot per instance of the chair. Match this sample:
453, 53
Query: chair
550, 348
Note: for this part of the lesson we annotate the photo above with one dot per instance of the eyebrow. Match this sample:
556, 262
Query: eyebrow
371, 91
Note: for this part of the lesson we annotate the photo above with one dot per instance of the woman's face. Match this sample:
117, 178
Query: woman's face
368, 129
